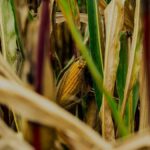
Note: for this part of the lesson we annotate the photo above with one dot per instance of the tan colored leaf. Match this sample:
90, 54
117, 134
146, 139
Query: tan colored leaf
102, 5
7, 72
114, 23
91, 114
135, 142
22, 11
144, 101
135, 47
60, 18
49, 89
129, 16
11, 140
35, 108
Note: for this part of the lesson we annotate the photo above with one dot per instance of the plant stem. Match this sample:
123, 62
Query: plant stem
146, 20
41, 45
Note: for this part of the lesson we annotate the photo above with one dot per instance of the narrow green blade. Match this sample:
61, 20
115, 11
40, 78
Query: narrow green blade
122, 68
95, 45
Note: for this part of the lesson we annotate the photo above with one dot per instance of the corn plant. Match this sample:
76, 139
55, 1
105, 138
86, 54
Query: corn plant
74, 74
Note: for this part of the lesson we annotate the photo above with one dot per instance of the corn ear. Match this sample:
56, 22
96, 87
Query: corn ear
70, 84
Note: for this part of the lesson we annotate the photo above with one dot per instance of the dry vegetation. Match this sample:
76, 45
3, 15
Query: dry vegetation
73, 75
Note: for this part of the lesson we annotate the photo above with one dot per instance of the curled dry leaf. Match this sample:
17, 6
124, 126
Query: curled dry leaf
135, 142
114, 23
60, 18
7, 72
11, 140
38, 109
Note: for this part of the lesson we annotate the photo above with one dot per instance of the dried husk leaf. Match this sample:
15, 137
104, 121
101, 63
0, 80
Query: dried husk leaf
38, 109
102, 5
91, 114
114, 15
129, 16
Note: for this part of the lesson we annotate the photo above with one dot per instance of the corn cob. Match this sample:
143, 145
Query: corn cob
70, 84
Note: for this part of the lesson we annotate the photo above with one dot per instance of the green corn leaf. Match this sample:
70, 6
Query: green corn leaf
75, 11
135, 94
95, 45
122, 68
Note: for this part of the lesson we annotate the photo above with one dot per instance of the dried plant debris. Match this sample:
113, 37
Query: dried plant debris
73, 76
35, 106
11, 140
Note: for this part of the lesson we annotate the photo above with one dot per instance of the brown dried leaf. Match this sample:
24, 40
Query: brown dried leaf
91, 114
11, 140
135, 142
102, 5
60, 18
49, 88
144, 101
38, 109
114, 23
7, 72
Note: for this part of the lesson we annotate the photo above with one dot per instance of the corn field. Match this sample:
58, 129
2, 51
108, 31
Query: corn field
74, 74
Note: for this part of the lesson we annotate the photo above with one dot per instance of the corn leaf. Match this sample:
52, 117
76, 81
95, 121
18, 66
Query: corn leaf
144, 101
114, 23
8, 35
135, 94
122, 68
135, 47
95, 45
75, 12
